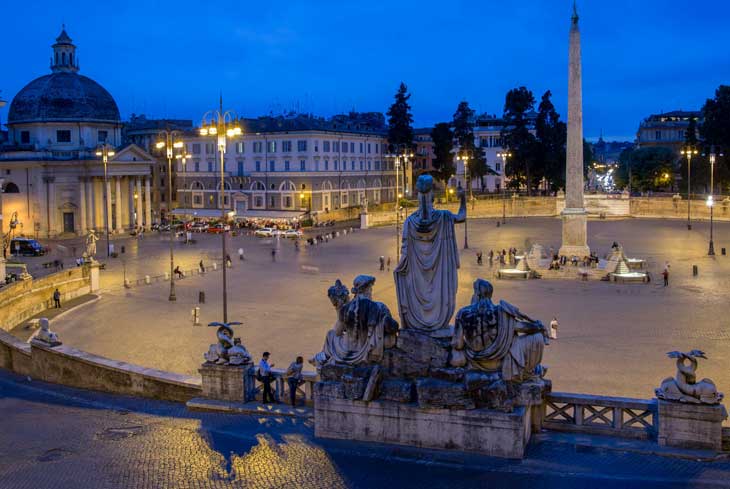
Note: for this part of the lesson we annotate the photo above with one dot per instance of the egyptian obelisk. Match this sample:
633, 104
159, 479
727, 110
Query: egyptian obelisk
574, 215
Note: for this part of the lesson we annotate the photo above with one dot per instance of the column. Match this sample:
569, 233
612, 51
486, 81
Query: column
89, 184
108, 215
118, 204
82, 206
51, 207
98, 203
147, 204
138, 202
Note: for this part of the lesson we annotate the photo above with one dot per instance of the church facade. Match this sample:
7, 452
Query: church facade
53, 174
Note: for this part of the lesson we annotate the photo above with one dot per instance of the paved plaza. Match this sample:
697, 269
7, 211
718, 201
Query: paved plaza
613, 338
59, 437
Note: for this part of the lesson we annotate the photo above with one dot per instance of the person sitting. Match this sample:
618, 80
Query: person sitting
178, 273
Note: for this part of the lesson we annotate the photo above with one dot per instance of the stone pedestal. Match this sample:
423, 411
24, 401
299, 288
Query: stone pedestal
696, 426
3, 273
575, 233
493, 433
364, 220
224, 382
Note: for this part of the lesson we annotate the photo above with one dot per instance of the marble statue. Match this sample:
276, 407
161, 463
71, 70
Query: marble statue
45, 335
684, 386
219, 353
91, 240
237, 354
363, 329
426, 277
498, 338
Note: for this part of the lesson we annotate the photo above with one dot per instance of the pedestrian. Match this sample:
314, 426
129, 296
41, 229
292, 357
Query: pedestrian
554, 328
273, 254
491, 258
388, 263
178, 273
382, 263
201, 267
665, 274
228, 260
240, 254
479, 258
265, 378
294, 378
296, 245
57, 299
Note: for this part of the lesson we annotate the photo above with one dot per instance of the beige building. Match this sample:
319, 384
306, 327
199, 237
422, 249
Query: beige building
54, 180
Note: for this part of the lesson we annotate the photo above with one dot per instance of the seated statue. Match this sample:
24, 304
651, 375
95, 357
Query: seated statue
363, 329
237, 354
219, 353
497, 338
684, 386
45, 335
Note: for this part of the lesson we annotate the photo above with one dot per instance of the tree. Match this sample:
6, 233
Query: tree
715, 131
443, 146
464, 135
551, 136
700, 178
517, 137
651, 168
400, 120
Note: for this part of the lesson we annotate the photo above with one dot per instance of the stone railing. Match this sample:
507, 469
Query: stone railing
601, 415
280, 386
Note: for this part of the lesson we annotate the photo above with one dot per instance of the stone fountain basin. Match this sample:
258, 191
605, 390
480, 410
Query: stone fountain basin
640, 277
512, 273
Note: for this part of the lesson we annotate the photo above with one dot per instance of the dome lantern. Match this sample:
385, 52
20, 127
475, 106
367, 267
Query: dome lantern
64, 54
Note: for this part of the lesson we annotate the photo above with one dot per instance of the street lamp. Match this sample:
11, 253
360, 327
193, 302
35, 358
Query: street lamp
711, 198
169, 142
465, 157
504, 155
105, 151
402, 152
219, 125
688, 152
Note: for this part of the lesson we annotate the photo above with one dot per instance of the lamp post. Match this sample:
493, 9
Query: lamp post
711, 199
504, 155
105, 151
404, 153
169, 140
688, 152
219, 125
465, 157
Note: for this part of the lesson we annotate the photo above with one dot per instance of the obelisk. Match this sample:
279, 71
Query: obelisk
574, 215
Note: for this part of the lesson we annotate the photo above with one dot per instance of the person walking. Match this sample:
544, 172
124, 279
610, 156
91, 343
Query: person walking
201, 267
294, 378
57, 299
554, 328
240, 254
265, 378
388, 263
491, 258
479, 257
273, 254
228, 261
665, 274
382, 263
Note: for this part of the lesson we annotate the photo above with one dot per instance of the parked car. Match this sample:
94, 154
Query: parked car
292, 234
266, 232
199, 227
26, 247
218, 228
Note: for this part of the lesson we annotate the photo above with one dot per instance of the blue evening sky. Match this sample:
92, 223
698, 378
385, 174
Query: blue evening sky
170, 59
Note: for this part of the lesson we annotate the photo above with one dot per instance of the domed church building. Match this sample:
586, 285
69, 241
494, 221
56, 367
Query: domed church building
52, 174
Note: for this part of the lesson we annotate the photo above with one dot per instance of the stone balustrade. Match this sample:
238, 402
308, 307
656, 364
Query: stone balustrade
280, 386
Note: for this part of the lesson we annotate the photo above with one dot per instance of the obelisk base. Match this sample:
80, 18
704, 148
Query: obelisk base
575, 233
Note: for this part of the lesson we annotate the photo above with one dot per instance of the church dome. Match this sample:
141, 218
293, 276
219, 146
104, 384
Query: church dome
64, 95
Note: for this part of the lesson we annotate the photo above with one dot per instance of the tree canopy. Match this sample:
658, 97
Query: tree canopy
650, 168
443, 141
464, 135
517, 138
551, 135
400, 120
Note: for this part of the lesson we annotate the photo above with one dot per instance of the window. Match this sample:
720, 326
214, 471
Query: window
376, 148
302, 145
271, 147
11, 188
484, 142
336, 165
326, 165
258, 201
258, 166
210, 148
210, 166
302, 165
369, 165
273, 202
101, 136
197, 199
258, 146
498, 166
352, 165
240, 168
239, 147
316, 146
24, 137
368, 148
658, 135
362, 165
344, 146
272, 165
197, 166
196, 148
286, 165
361, 147
377, 162
325, 146
63, 136
335, 146
287, 201
352, 147
286, 146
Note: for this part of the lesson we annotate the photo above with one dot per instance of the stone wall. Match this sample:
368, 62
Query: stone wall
26, 298
669, 208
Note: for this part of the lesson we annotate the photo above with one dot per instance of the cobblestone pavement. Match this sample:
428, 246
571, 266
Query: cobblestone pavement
56, 437
613, 338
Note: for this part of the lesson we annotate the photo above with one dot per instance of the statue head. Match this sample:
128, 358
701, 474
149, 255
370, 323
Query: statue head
362, 286
338, 294
483, 289
424, 184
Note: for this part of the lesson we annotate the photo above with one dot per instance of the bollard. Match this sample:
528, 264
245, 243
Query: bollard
694, 270
723, 251
195, 313
167, 275
147, 279
123, 249
127, 284
215, 266
201, 297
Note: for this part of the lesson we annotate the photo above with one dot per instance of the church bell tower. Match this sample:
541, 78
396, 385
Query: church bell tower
64, 54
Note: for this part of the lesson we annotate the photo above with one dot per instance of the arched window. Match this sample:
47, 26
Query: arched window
11, 188
71, 58
63, 58
377, 183
287, 186
228, 186
361, 183
258, 186
327, 185
197, 186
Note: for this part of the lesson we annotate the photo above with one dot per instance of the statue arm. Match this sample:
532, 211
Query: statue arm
461, 215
